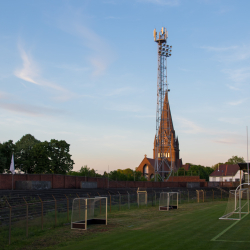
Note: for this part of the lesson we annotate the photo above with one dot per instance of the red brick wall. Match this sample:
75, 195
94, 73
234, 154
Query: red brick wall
185, 179
70, 182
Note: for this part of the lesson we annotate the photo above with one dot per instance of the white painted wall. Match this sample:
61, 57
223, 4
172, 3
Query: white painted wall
227, 178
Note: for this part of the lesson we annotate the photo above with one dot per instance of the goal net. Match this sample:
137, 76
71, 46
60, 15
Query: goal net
142, 197
87, 211
168, 200
238, 204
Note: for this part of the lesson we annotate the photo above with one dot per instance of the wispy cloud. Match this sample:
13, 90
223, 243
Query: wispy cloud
236, 103
72, 67
31, 110
225, 141
162, 2
29, 70
3, 95
229, 120
125, 108
120, 91
233, 87
102, 54
219, 49
188, 127
238, 75
230, 54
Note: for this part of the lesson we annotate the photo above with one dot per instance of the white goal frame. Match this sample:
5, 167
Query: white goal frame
237, 204
141, 192
165, 201
85, 204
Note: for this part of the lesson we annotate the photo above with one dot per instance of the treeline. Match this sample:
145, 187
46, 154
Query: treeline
32, 156
195, 170
204, 172
116, 175
233, 160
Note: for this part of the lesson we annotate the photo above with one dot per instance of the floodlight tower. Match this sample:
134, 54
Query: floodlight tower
163, 155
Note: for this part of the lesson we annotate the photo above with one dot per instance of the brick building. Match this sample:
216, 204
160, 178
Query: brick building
147, 164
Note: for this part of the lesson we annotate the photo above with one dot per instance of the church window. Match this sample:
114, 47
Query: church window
145, 170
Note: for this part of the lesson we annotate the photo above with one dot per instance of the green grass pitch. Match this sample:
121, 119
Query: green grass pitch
192, 226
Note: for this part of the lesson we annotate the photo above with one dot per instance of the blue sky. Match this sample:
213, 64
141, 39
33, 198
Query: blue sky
86, 72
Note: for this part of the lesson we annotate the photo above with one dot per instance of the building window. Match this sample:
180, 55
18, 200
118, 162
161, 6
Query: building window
152, 176
221, 178
145, 171
214, 178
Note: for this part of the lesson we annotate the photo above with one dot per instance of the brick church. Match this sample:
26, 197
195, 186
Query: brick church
147, 164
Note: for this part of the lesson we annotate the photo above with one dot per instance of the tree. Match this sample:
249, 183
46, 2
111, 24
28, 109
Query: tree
3, 160
6, 151
60, 159
41, 157
202, 171
235, 159
24, 158
214, 167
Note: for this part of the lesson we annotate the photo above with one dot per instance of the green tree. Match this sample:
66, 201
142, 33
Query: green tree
235, 159
202, 171
3, 160
6, 151
24, 158
60, 159
126, 175
41, 157
214, 167
85, 171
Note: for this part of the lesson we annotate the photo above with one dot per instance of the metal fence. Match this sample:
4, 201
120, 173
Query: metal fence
22, 217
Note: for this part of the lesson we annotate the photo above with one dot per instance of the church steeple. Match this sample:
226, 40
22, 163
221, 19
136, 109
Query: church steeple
173, 147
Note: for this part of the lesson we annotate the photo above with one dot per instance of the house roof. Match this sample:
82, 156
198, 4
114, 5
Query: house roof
226, 170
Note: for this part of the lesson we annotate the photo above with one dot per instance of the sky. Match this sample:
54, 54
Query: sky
86, 72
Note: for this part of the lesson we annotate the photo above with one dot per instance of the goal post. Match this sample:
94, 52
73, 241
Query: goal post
87, 211
142, 197
168, 200
200, 196
238, 204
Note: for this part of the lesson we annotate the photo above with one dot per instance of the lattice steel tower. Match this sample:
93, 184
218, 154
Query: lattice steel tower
163, 154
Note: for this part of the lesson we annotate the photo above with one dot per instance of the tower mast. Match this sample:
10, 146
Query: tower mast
163, 155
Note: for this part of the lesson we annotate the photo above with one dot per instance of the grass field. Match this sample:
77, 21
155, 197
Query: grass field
192, 226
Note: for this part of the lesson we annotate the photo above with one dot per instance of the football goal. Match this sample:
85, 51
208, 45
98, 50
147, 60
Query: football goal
238, 204
142, 197
87, 211
168, 200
